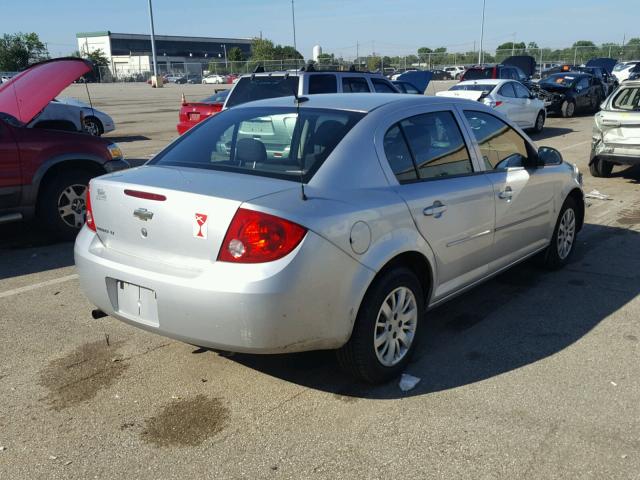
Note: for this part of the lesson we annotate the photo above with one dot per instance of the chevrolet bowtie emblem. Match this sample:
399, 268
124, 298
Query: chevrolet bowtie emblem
143, 214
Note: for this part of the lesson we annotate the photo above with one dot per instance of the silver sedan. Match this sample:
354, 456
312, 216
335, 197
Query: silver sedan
324, 222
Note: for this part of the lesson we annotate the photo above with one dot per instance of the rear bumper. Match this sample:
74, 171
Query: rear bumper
616, 153
305, 301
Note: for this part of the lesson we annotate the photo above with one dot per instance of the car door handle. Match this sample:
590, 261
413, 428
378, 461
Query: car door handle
436, 210
506, 194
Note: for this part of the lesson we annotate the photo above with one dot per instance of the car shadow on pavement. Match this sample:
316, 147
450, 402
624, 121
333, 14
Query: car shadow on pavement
629, 173
26, 249
520, 317
128, 138
550, 132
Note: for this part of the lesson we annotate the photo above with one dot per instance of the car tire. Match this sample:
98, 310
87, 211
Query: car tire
564, 237
93, 126
61, 203
378, 328
539, 125
600, 168
568, 108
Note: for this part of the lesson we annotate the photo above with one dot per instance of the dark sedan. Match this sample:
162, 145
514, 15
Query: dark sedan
571, 92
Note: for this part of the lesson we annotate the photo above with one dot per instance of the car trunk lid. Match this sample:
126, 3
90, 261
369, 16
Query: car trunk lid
176, 216
467, 94
29, 92
620, 128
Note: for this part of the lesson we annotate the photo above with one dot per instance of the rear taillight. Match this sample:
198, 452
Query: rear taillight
89, 220
498, 103
256, 237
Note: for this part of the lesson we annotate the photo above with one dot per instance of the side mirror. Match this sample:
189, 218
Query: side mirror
549, 156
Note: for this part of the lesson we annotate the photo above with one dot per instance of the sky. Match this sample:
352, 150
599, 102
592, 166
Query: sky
387, 27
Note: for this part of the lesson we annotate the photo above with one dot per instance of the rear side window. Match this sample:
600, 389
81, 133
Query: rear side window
628, 99
435, 146
323, 83
478, 73
521, 90
382, 86
507, 90
260, 87
355, 85
501, 146
399, 156
270, 142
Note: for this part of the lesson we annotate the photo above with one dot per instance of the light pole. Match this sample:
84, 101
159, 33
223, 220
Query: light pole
153, 43
484, 2
226, 63
293, 21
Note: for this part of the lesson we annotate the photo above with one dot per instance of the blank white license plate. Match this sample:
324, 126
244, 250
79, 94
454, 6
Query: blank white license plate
137, 302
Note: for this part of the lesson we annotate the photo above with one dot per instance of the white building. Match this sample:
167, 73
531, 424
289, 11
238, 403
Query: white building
131, 52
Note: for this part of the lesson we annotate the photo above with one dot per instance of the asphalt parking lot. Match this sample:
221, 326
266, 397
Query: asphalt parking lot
533, 375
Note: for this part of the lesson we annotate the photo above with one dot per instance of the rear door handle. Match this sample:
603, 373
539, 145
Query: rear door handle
506, 194
436, 210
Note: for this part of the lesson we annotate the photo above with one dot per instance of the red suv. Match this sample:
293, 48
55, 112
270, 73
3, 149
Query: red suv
45, 172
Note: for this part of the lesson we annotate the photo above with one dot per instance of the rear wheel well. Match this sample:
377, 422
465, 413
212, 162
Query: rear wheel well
418, 264
90, 167
577, 196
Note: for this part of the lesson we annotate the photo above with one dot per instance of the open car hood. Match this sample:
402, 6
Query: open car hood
420, 80
526, 63
29, 92
604, 62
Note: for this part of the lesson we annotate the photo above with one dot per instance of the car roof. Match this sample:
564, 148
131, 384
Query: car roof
358, 102
486, 81
294, 73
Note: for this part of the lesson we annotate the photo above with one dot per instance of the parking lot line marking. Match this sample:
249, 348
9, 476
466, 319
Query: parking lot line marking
575, 145
34, 286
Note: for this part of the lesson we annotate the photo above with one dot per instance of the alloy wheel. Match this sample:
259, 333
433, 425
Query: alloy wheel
566, 233
92, 128
72, 206
395, 326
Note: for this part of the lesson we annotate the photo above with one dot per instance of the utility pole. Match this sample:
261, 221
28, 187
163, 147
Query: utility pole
226, 62
357, 54
153, 44
293, 20
513, 45
484, 3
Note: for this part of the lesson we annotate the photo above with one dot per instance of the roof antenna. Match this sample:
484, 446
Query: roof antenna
298, 99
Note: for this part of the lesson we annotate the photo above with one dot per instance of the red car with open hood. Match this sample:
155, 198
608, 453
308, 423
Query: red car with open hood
45, 171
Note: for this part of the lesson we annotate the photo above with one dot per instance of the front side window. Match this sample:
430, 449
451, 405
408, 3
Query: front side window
521, 90
323, 83
500, 145
354, 85
272, 142
583, 83
436, 145
382, 86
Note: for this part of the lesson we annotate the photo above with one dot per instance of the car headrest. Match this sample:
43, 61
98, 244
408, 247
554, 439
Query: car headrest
329, 133
250, 150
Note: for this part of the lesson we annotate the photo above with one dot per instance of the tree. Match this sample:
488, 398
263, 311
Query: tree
373, 63
512, 46
19, 50
424, 51
633, 42
326, 59
584, 43
261, 49
98, 58
532, 46
235, 55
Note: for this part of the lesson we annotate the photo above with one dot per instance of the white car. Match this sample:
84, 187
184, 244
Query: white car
73, 110
622, 70
509, 97
215, 79
455, 71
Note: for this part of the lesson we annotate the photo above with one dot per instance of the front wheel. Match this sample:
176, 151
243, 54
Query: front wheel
93, 126
568, 109
539, 125
62, 203
384, 333
564, 236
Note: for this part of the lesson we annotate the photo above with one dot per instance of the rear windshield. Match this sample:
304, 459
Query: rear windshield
478, 73
269, 142
628, 99
486, 89
216, 97
258, 88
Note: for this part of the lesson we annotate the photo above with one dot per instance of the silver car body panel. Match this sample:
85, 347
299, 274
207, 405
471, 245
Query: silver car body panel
616, 132
358, 216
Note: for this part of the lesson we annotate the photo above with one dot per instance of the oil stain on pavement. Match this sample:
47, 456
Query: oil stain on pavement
186, 422
79, 376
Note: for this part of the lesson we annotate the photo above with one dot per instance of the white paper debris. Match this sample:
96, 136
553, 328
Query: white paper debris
408, 382
597, 195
